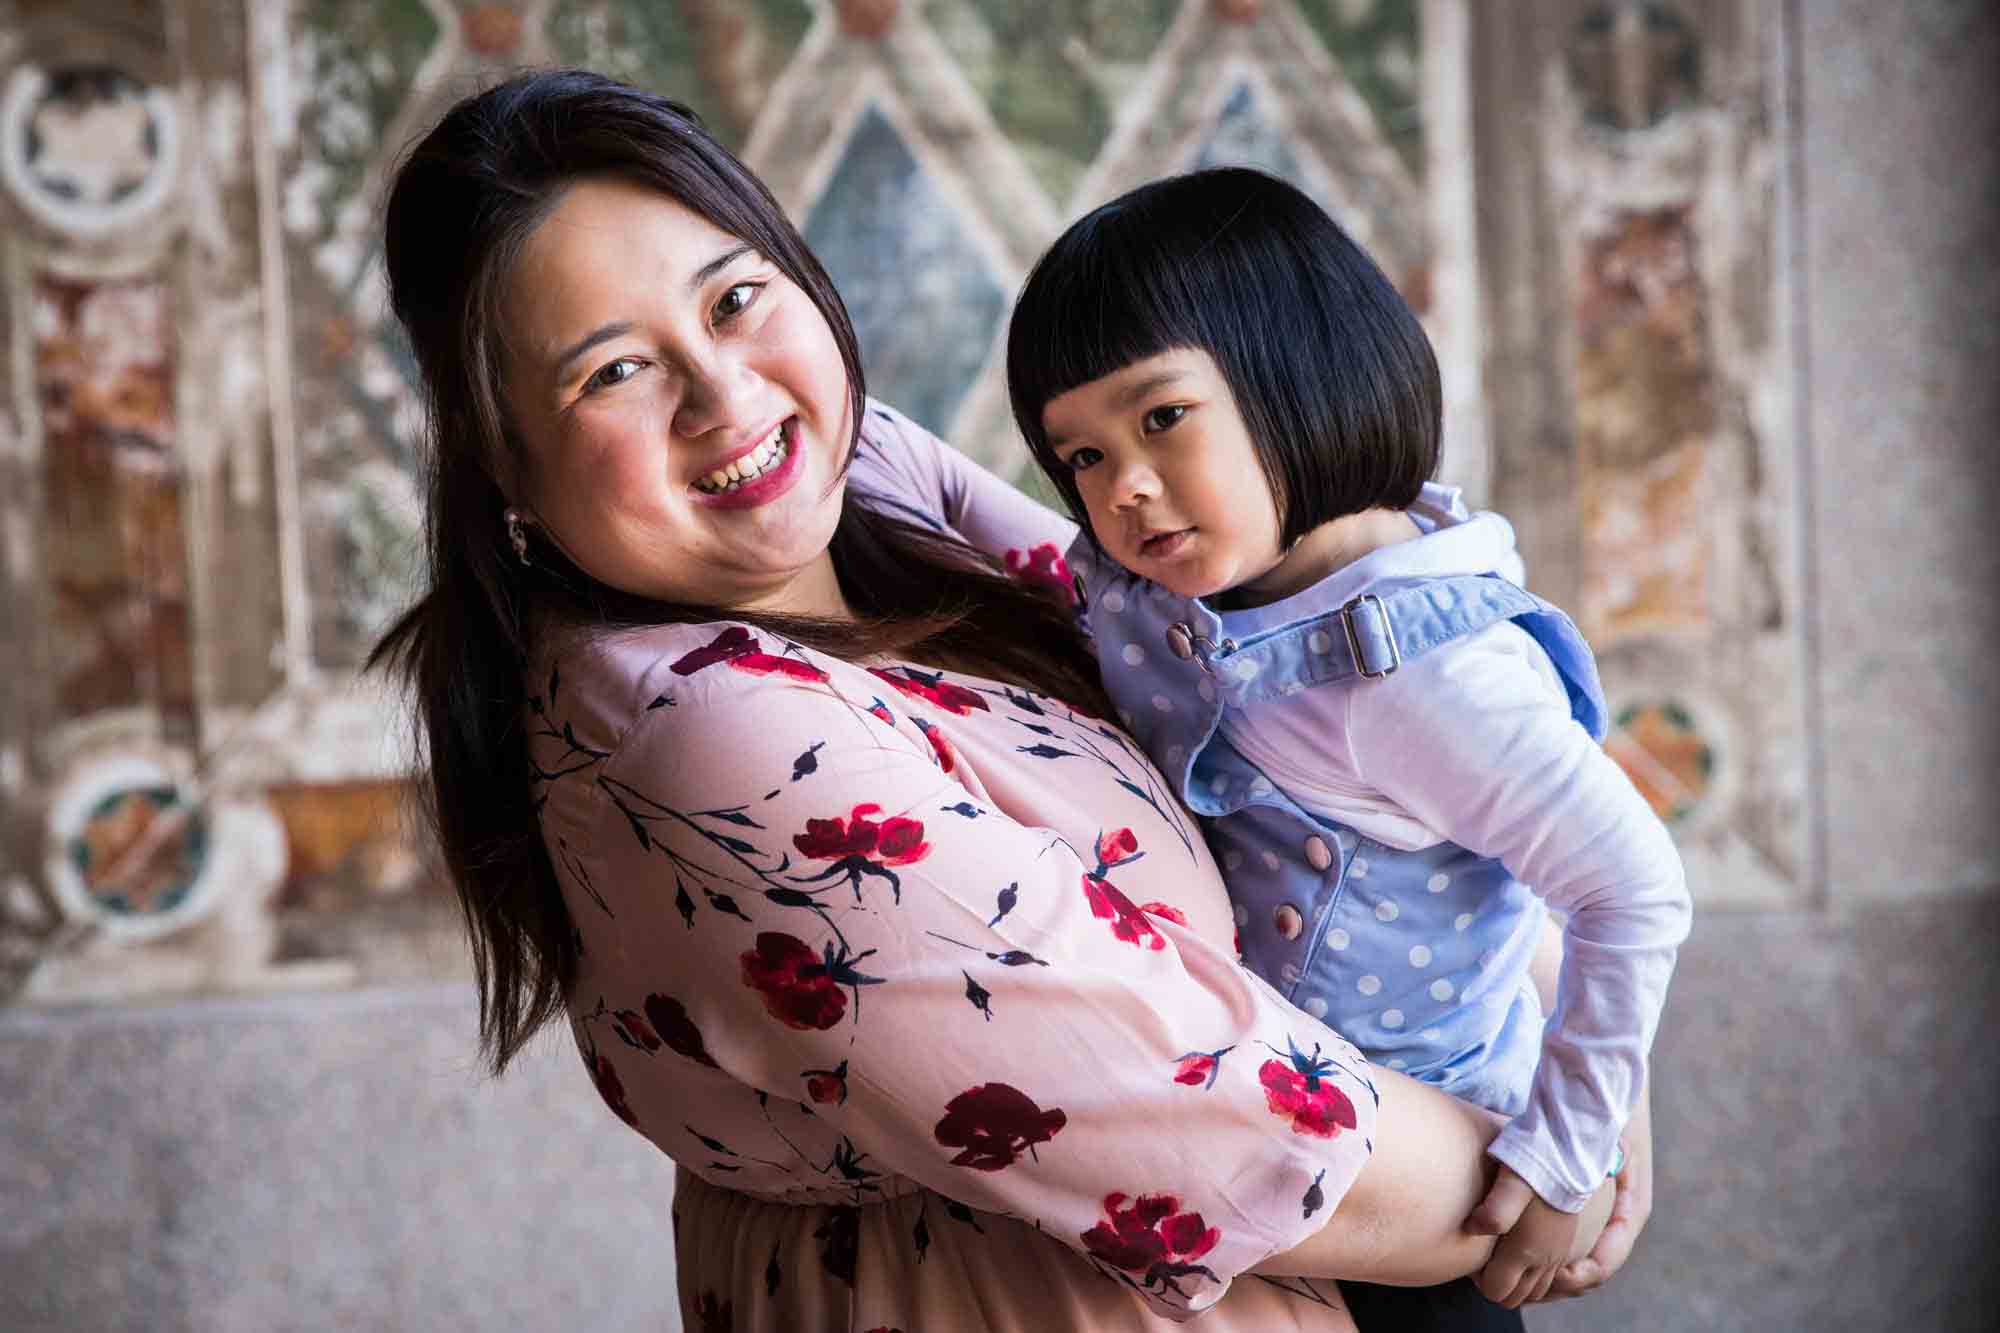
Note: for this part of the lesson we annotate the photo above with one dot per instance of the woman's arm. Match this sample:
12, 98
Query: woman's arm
1403, 1221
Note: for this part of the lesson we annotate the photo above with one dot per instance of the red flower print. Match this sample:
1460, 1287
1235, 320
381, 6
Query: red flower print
1044, 567
1299, 1087
1115, 849
992, 1123
1167, 911
797, 990
860, 846
933, 688
1128, 923
635, 1031
939, 745
881, 710
738, 647
610, 1089
1152, 1236
827, 1085
801, 989
1198, 1069
670, 1019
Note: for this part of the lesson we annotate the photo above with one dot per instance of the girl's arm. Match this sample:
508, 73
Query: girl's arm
903, 469
1471, 741
1402, 1222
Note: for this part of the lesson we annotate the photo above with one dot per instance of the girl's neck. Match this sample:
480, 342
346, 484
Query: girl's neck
1331, 546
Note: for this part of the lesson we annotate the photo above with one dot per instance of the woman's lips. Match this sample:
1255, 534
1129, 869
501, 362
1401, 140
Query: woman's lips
1165, 545
766, 486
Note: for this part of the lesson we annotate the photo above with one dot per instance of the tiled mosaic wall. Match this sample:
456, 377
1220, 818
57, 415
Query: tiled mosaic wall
207, 440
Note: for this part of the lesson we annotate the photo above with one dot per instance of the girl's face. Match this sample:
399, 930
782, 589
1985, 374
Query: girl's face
682, 405
1170, 476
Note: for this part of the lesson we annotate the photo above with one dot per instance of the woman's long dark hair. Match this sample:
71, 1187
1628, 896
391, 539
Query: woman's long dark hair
463, 204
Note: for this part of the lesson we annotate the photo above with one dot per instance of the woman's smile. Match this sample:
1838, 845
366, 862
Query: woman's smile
757, 475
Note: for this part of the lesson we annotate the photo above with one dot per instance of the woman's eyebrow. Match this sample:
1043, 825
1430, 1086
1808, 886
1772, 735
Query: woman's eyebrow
1133, 392
619, 328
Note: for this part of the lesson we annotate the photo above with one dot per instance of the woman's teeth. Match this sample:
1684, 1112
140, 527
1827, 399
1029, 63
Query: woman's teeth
758, 461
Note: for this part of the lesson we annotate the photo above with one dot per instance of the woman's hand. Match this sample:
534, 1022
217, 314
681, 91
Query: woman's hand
1630, 1207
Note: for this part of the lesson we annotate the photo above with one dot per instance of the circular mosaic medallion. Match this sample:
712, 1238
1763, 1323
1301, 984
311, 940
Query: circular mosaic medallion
86, 149
128, 850
1665, 752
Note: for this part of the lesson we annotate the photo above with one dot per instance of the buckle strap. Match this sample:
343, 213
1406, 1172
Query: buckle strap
1372, 640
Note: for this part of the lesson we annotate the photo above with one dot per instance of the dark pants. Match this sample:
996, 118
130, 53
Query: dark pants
1454, 1307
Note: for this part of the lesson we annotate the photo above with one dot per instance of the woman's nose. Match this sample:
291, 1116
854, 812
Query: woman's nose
718, 390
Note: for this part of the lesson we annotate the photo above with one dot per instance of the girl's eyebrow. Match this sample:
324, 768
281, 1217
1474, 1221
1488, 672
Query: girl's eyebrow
1138, 389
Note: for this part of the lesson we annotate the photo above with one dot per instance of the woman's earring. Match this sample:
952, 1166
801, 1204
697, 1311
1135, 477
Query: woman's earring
517, 534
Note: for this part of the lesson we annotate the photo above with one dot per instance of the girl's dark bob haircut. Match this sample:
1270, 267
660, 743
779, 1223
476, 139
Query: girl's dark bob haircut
1329, 367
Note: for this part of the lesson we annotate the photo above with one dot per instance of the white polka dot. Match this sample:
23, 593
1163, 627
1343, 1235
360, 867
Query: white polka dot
1369, 984
1218, 784
1247, 669
1176, 753
1134, 655
1337, 939
1163, 703
1232, 860
1398, 1062
1438, 883
1261, 786
1290, 973
1113, 600
1441, 990
1242, 912
1387, 911
1358, 868
1206, 689
1316, 1006
1392, 1018
1270, 859
1318, 641
1461, 921
1431, 1034
1420, 956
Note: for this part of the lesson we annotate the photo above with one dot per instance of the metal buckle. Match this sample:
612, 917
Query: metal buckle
1354, 639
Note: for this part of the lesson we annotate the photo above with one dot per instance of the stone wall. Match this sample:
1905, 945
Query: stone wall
1712, 283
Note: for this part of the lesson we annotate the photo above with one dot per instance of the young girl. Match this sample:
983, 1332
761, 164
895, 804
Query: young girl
1394, 747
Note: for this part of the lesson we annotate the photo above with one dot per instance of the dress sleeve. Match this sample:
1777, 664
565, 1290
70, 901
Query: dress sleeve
1013, 1032
903, 469
1479, 748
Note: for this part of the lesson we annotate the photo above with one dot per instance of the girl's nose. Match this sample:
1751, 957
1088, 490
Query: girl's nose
1133, 483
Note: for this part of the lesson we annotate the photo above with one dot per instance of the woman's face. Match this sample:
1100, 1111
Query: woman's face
682, 405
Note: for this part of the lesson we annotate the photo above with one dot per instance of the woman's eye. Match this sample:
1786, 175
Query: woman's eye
1081, 459
736, 300
613, 372
1161, 418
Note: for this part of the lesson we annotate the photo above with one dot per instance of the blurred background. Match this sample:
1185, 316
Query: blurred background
1714, 287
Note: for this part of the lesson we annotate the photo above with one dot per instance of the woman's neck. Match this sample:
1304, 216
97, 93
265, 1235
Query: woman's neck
1331, 546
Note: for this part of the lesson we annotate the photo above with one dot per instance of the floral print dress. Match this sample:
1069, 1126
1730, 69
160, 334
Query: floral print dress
925, 983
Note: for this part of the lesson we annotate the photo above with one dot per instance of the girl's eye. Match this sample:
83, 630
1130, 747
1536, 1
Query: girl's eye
736, 300
1081, 459
1163, 418
612, 372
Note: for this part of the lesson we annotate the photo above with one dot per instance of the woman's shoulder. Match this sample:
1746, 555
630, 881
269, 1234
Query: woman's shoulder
601, 682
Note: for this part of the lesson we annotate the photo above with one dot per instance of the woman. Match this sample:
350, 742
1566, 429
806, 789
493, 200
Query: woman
747, 762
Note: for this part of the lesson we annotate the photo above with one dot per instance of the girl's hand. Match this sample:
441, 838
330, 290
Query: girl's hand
1535, 1241
1630, 1208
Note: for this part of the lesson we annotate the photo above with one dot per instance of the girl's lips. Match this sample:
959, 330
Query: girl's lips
1165, 545
766, 486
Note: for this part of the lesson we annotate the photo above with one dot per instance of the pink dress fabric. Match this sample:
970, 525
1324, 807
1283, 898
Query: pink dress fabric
926, 984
